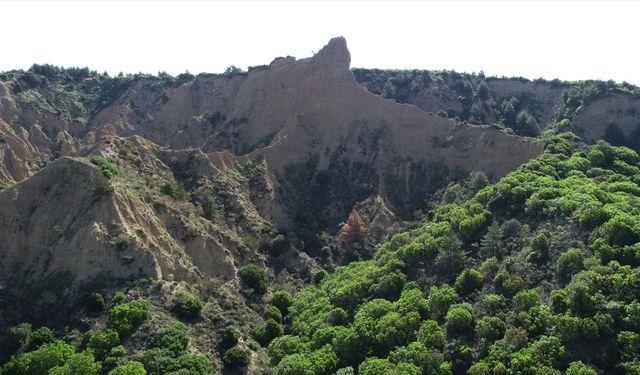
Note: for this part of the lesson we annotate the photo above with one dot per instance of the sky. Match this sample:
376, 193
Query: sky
570, 40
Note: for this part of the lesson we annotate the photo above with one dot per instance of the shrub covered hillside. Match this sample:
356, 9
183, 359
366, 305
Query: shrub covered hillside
536, 274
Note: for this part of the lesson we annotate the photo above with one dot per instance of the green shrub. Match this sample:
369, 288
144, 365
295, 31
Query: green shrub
237, 357
431, 334
569, 263
78, 364
129, 368
40, 361
126, 317
282, 300
40, 336
267, 331
102, 341
468, 281
94, 302
439, 300
119, 298
273, 313
173, 338
460, 319
108, 169
173, 189
229, 338
254, 277
187, 305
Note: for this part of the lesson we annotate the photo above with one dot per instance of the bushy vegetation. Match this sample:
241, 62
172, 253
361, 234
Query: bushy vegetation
108, 169
187, 305
254, 277
535, 274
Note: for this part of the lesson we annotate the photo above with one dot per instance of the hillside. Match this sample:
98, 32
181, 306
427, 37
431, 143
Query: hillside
304, 217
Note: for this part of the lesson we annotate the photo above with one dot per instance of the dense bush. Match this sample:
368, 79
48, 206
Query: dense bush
237, 357
108, 169
126, 317
129, 368
94, 302
187, 305
229, 338
254, 277
282, 300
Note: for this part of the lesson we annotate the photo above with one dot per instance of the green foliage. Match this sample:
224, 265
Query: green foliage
126, 317
94, 302
108, 169
282, 300
187, 305
431, 335
102, 341
468, 281
569, 263
579, 368
440, 299
229, 338
237, 357
129, 368
78, 364
39, 361
273, 313
460, 320
550, 287
539, 248
174, 189
254, 277
491, 243
173, 338
267, 331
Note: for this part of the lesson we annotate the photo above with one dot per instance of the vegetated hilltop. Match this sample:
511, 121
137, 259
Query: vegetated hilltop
209, 198
596, 109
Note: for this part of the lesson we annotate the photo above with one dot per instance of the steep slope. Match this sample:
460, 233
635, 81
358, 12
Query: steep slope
526, 107
309, 119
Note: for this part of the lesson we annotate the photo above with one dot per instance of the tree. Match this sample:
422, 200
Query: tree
491, 242
468, 281
569, 263
102, 341
451, 257
78, 364
94, 302
129, 368
173, 338
254, 277
579, 368
40, 361
539, 248
439, 300
274, 313
431, 334
285, 345
187, 305
237, 357
267, 331
376, 366
490, 329
126, 317
229, 338
460, 319
282, 300
483, 91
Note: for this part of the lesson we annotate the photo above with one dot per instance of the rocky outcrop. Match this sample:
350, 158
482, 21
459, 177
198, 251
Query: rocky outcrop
282, 118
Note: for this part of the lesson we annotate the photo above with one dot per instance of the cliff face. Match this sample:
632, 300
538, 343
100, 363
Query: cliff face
325, 142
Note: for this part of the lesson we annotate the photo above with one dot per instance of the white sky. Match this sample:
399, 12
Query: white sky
551, 39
